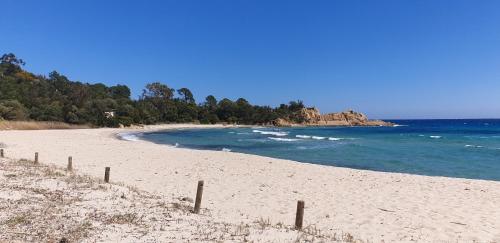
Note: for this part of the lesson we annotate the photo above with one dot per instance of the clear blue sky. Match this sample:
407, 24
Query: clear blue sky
389, 59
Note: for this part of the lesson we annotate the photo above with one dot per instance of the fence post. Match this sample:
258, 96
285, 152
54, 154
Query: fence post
299, 217
36, 158
106, 174
199, 194
70, 163
1, 153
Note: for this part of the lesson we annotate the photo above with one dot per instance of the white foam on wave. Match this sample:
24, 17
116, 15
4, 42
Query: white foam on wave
318, 137
397, 125
473, 146
279, 134
284, 139
302, 136
129, 137
435, 136
226, 150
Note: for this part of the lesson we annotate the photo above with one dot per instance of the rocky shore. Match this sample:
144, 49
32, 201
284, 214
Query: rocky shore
313, 117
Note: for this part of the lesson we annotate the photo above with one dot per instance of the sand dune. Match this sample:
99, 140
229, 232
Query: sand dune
372, 206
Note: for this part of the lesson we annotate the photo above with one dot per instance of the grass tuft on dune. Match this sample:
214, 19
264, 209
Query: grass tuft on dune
50, 204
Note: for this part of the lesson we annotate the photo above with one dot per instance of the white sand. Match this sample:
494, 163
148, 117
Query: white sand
41, 203
372, 206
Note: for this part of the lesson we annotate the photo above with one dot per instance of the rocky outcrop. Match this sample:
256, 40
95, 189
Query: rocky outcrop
312, 117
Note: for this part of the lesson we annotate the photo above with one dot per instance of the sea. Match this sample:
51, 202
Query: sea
450, 148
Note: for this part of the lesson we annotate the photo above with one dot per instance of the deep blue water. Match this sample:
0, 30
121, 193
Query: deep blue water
453, 148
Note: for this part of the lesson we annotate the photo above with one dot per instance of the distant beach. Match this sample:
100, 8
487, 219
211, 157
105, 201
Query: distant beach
370, 205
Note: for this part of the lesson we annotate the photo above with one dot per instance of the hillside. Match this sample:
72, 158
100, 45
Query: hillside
27, 96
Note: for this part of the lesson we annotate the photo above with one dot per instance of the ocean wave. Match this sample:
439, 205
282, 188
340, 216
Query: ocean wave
397, 125
279, 134
435, 136
473, 146
284, 139
226, 150
129, 137
318, 137
302, 136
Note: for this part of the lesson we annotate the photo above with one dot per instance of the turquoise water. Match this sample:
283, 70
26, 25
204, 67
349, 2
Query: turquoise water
453, 148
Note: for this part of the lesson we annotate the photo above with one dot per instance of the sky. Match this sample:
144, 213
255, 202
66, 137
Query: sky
388, 59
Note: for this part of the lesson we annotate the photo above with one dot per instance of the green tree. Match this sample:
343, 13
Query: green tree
119, 92
157, 90
10, 58
186, 95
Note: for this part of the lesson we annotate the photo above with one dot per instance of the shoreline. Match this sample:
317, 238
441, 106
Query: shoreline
118, 135
243, 188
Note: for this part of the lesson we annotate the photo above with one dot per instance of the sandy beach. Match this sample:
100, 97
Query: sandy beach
372, 206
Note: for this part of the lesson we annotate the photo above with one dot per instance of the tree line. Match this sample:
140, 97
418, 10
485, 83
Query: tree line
26, 96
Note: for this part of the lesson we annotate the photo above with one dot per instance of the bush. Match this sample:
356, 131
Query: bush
12, 110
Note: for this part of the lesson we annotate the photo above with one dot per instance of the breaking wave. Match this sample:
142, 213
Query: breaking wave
318, 137
473, 146
284, 139
279, 134
302, 136
129, 136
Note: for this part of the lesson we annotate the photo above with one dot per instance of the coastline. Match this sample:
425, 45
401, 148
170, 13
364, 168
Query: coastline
243, 188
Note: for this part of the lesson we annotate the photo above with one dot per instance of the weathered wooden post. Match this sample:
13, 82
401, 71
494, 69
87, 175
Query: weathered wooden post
299, 217
70, 164
106, 174
1, 153
199, 194
36, 158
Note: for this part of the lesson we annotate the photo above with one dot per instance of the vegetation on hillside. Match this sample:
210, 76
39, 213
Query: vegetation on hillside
26, 96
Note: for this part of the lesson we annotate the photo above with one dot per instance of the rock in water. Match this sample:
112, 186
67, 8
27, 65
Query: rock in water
312, 117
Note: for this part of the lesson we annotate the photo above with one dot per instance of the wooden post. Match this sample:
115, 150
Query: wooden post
106, 174
36, 158
1, 153
199, 194
299, 218
70, 163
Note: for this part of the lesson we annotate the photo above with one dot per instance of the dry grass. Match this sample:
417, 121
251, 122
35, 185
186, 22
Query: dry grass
44, 203
37, 125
